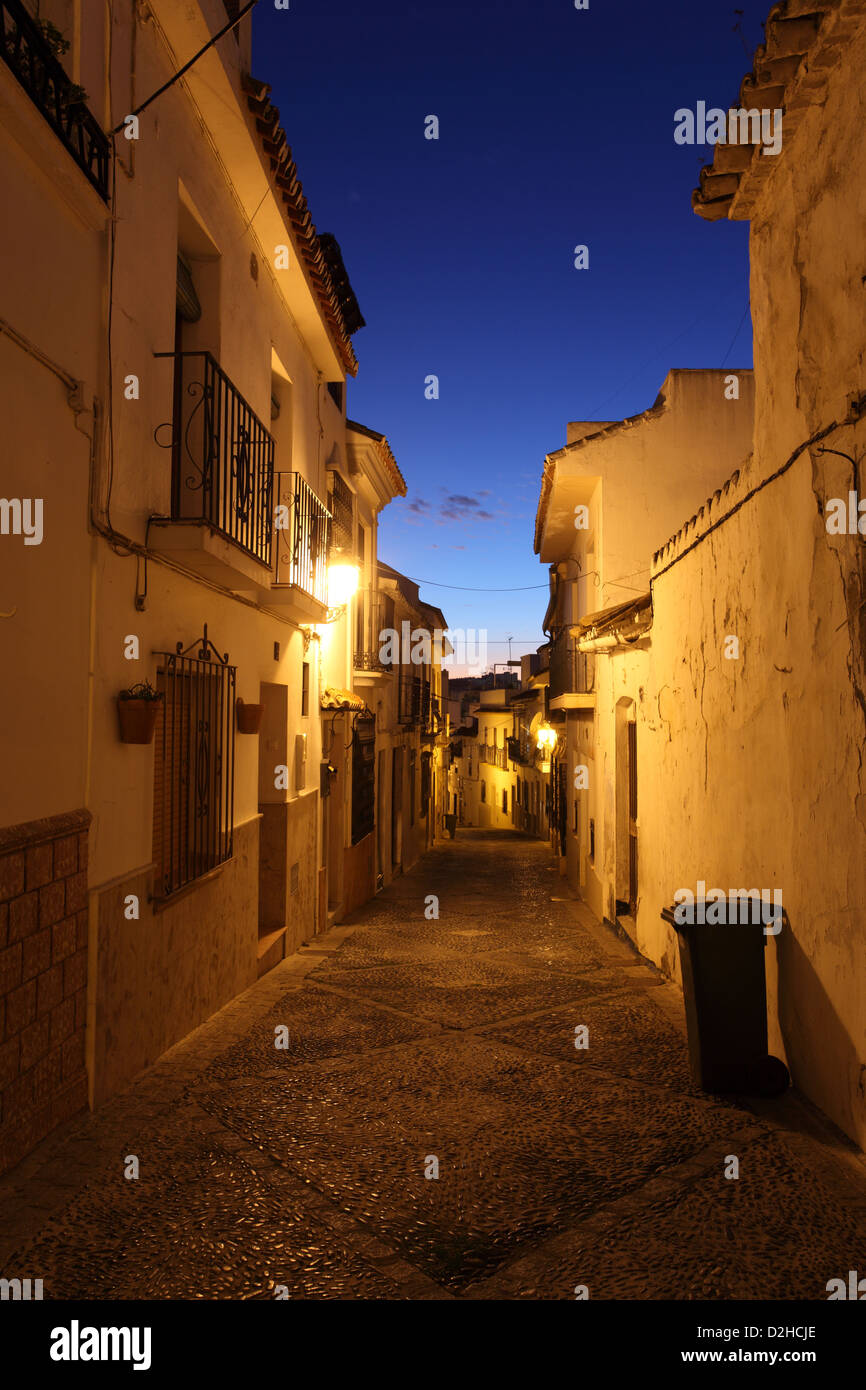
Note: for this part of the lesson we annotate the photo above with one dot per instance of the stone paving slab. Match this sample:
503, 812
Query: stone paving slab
628, 1035
452, 1038
780, 1231
201, 1222
462, 992
524, 1144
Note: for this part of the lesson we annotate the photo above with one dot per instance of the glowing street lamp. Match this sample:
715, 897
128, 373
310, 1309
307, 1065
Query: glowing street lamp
545, 737
343, 582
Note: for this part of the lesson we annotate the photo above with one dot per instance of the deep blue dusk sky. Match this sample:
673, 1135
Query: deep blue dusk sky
556, 128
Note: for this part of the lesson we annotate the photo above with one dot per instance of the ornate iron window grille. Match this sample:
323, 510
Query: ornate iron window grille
26, 53
302, 546
363, 778
222, 456
193, 804
341, 506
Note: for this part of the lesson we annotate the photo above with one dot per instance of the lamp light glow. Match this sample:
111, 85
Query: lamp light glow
546, 737
343, 582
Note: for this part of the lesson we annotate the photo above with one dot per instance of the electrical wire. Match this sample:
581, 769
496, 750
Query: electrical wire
469, 589
736, 336
854, 417
186, 67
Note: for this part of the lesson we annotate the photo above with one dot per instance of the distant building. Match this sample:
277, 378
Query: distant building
607, 498
501, 776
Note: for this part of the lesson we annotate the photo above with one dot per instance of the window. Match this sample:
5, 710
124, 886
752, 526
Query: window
483, 791
505, 800
363, 778
305, 688
193, 793
426, 782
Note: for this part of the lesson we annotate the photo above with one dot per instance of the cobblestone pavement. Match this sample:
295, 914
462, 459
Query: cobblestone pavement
450, 1039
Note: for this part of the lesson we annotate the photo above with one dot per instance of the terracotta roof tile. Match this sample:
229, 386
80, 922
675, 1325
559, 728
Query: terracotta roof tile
338, 303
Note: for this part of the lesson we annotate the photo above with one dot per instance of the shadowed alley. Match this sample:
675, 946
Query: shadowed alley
413, 1039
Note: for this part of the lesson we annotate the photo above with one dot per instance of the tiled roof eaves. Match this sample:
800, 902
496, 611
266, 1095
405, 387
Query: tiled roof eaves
391, 466
284, 177
803, 40
385, 454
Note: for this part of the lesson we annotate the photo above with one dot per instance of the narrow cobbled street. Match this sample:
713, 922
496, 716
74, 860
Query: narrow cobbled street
418, 1043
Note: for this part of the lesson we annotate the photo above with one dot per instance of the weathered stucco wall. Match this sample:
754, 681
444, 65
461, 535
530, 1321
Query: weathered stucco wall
752, 768
44, 588
750, 761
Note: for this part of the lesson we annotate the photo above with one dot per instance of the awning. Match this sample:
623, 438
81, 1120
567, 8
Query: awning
635, 612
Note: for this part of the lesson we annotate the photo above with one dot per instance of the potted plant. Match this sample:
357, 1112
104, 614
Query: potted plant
249, 717
138, 709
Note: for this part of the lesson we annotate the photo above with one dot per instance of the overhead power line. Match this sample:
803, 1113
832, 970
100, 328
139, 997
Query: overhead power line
469, 589
186, 67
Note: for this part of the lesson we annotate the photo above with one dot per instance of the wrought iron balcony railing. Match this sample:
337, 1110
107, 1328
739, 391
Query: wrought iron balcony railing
222, 456
572, 672
416, 703
520, 750
495, 757
302, 542
24, 48
374, 631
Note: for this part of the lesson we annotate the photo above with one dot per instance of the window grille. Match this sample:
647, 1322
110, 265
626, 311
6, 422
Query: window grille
363, 778
193, 794
341, 506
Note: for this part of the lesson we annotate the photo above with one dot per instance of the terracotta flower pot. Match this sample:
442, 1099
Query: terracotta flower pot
249, 717
138, 719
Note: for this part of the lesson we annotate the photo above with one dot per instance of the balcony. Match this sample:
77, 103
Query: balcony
572, 675
495, 757
374, 618
303, 533
26, 52
539, 662
222, 478
521, 750
417, 705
